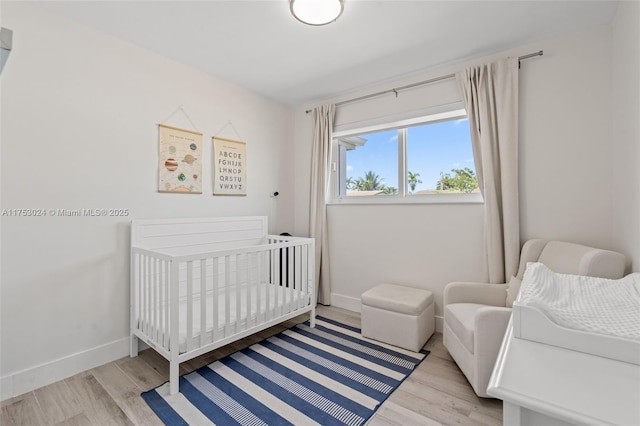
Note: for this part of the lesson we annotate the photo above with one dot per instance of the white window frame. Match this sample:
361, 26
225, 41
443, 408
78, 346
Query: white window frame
346, 138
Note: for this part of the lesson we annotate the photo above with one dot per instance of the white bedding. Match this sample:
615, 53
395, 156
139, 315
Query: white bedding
597, 305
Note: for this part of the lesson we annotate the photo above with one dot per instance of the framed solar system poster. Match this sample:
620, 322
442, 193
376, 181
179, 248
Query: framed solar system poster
180, 160
229, 167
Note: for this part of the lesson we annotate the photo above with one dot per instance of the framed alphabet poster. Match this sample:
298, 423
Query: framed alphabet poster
230, 167
180, 160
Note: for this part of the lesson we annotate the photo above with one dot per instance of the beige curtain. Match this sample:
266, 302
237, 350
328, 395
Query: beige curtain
320, 171
490, 94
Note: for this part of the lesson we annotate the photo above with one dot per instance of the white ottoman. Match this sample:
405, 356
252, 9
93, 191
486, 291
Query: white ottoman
398, 315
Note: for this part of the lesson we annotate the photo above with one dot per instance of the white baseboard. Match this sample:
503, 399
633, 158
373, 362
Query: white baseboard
33, 378
346, 302
353, 304
439, 322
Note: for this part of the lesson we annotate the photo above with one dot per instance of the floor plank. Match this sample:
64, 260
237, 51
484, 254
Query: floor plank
78, 420
114, 380
23, 411
394, 414
143, 375
137, 410
97, 404
437, 393
10, 401
57, 402
444, 400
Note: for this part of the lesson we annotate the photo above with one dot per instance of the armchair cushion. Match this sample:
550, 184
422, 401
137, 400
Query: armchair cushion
487, 294
461, 318
576, 259
512, 291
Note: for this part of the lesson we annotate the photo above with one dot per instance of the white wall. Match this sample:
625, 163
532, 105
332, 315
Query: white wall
626, 131
79, 130
565, 150
565, 169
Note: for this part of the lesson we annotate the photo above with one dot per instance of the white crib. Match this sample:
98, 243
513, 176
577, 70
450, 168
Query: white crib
199, 284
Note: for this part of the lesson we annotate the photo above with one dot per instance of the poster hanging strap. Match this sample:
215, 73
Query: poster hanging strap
229, 124
181, 108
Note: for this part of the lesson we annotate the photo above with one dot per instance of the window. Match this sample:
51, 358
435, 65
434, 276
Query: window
406, 161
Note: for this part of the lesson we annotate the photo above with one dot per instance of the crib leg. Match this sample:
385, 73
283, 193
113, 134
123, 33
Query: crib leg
312, 319
174, 377
133, 349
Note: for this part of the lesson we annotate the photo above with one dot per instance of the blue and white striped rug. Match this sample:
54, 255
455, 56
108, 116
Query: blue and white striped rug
328, 375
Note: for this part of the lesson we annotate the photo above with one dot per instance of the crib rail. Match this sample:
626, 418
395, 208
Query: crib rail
180, 304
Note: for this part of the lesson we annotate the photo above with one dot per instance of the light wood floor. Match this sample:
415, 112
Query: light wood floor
435, 393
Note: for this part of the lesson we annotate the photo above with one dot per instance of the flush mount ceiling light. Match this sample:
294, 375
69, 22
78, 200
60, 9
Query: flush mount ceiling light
316, 12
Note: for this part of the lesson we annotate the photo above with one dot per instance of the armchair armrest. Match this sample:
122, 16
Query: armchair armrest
489, 329
486, 294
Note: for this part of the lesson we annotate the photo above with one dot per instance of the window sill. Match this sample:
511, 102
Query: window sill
474, 198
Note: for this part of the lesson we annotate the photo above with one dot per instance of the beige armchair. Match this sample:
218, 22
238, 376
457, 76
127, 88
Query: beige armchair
476, 314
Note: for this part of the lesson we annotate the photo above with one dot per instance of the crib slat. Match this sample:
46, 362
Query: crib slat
227, 282
303, 263
157, 284
259, 259
189, 305
268, 286
203, 300
277, 283
154, 305
143, 300
174, 339
309, 276
140, 281
303, 272
291, 253
300, 274
158, 304
296, 278
152, 295
238, 326
250, 282
166, 305
301, 277
215, 308
146, 295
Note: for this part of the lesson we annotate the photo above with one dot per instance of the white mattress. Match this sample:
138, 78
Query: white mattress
593, 315
280, 301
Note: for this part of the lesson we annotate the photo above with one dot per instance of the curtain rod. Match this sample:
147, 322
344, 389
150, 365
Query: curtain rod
419, 83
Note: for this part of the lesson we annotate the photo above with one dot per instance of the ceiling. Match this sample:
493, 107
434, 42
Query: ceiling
259, 45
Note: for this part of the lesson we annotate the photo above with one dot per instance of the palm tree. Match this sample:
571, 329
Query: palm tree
351, 184
372, 182
413, 180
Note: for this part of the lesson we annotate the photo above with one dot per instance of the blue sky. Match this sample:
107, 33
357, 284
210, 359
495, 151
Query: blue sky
431, 149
